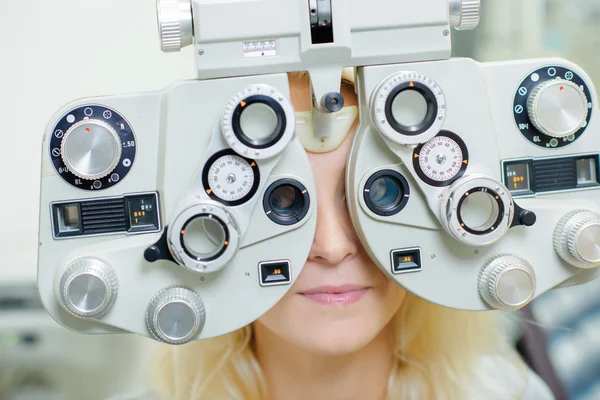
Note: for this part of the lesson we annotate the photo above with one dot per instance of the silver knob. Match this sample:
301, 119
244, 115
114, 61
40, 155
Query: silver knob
577, 239
465, 14
558, 108
507, 283
175, 315
91, 149
88, 287
175, 24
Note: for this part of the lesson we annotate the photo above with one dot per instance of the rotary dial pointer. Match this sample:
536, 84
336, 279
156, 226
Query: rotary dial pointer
91, 149
558, 108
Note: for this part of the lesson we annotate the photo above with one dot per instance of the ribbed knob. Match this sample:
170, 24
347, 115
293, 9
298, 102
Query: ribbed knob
91, 149
175, 315
577, 239
88, 287
557, 108
465, 14
507, 283
175, 24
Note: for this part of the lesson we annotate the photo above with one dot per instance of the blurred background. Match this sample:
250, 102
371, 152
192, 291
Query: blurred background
60, 50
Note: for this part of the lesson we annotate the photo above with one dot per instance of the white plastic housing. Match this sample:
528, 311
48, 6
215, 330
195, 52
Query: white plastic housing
479, 97
176, 130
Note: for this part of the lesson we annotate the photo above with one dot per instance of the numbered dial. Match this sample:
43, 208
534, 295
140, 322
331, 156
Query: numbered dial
552, 107
92, 148
507, 283
441, 160
231, 179
258, 122
204, 237
408, 108
477, 210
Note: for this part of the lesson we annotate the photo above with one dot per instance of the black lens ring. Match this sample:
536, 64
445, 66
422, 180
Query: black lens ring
403, 187
299, 189
495, 196
432, 109
277, 133
223, 248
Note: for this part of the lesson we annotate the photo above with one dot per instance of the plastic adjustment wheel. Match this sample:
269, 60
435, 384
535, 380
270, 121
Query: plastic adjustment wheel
175, 24
577, 239
507, 283
175, 315
88, 288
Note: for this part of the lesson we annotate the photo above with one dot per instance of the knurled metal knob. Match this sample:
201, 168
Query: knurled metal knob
507, 283
558, 108
88, 288
175, 24
175, 315
91, 149
465, 14
577, 239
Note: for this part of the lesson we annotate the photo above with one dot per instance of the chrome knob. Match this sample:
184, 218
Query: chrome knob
465, 14
175, 315
507, 283
175, 24
91, 149
88, 288
577, 239
558, 108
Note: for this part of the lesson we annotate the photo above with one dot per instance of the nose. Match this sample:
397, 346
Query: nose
335, 239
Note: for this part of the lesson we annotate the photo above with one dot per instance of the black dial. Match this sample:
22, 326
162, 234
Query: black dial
538, 103
90, 119
230, 178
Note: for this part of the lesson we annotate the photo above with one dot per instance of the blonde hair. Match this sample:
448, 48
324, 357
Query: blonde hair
440, 353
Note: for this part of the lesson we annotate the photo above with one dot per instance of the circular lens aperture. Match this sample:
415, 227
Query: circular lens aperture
386, 193
480, 211
286, 202
258, 121
204, 237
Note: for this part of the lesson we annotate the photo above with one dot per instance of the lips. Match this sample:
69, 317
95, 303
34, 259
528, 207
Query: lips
336, 295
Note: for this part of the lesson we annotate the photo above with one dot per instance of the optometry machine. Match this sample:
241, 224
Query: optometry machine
188, 213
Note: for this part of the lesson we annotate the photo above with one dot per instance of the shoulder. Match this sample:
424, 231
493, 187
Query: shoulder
500, 376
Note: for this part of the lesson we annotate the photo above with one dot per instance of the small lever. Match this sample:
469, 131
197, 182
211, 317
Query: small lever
523, 217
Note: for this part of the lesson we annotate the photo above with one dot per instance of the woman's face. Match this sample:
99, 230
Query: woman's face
341, 301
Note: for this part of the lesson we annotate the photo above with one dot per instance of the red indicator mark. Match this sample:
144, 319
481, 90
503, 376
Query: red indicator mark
87, 130
562, 88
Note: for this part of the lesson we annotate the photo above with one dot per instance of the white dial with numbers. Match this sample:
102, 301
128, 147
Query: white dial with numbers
441, 160
231, 178
408, 108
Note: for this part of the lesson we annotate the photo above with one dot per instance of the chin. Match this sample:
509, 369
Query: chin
335, 339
